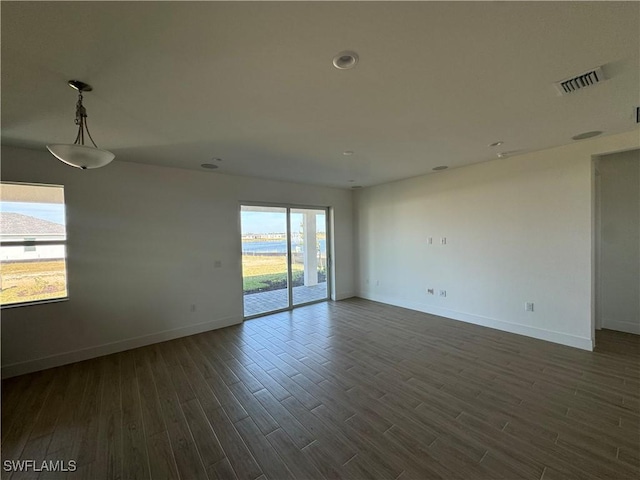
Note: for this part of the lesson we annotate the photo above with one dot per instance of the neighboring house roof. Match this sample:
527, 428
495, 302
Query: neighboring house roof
18, 224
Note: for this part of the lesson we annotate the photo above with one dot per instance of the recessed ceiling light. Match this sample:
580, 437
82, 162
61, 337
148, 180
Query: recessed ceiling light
503, 155
355, 187
209, 166
496, 144
348, 152
351, 181
345, 60
441, 167
582, 136
216, 159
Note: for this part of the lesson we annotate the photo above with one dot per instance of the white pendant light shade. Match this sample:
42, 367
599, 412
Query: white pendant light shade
81, 156
78, 154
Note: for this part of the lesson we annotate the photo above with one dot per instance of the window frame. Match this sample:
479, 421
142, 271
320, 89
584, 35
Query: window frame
34, 243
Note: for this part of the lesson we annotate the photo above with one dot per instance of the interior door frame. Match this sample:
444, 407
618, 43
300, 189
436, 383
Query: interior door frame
328, 242
597, 321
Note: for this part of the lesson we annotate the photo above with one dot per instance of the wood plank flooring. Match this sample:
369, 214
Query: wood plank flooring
353, 389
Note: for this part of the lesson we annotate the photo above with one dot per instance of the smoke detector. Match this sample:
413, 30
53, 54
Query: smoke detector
580, 82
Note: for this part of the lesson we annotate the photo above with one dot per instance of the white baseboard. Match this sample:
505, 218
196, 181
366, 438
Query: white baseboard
65, 358
344, 295
539, 333
621, 326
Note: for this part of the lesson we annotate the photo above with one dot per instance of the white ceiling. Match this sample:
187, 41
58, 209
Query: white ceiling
179, 83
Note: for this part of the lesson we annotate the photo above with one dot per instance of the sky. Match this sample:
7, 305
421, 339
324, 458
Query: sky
53, 212
252, 222
271, 222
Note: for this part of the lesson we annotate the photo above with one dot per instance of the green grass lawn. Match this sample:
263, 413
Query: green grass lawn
271, 281
264, 273
274, 281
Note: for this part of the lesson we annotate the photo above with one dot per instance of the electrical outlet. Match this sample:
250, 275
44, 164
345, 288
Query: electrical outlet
430, 240
443, 293
528, 307
430, 291
443, 241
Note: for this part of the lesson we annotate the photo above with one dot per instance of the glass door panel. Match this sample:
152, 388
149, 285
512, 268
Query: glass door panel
308, 229
265, 259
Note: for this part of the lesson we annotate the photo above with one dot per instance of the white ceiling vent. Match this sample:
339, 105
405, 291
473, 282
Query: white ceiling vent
580, 82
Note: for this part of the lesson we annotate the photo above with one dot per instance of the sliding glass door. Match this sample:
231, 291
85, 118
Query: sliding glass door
284, 257
309, 254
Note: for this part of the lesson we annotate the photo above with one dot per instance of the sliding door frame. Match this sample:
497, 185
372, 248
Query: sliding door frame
329, 266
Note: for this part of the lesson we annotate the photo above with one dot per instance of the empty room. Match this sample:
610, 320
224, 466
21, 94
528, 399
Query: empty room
320, 240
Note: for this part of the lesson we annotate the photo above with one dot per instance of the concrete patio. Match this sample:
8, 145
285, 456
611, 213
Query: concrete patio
256, 303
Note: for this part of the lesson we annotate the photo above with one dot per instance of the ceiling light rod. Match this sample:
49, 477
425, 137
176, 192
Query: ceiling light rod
78, 154
81, 112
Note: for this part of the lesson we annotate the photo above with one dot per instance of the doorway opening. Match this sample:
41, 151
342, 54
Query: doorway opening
617, 241
285, 257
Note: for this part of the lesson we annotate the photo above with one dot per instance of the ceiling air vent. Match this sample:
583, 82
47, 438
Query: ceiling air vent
580, 82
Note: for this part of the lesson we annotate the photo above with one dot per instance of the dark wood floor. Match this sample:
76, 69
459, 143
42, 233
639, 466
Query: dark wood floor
353, 389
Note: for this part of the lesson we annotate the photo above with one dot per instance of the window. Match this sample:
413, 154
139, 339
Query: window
33, 243
29, 244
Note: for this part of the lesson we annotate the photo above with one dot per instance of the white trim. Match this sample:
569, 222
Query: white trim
627, 327
344, 295
65, 358
34, 302
539, 333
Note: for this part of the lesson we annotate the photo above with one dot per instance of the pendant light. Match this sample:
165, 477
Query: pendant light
80, 155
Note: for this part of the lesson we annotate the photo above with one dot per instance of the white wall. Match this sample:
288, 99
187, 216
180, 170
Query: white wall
142, 241
518, 230
620, 241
